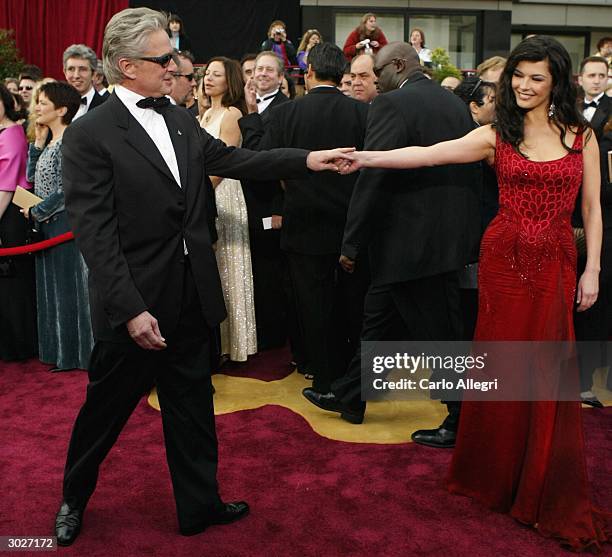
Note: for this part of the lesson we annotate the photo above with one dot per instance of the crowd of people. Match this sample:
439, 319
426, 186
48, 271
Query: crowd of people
243, 250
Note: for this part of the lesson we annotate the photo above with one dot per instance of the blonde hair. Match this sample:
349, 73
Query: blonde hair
306, 38
493, 63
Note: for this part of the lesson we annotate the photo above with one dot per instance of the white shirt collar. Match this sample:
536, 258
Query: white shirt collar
598, 97
129, 98
268, 95
89, 95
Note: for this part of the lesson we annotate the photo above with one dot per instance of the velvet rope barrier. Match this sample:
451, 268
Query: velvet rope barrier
37, 246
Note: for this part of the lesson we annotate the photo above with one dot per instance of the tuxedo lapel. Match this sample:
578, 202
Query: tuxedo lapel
139, 139
601, 115
178, 137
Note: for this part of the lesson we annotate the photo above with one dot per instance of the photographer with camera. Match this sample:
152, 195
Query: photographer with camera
278, 43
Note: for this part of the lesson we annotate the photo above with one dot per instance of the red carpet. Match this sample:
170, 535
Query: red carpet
270, 365
310, 496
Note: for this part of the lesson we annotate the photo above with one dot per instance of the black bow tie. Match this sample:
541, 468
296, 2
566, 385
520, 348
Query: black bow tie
266, 98
83, 100
592, 104
158, 104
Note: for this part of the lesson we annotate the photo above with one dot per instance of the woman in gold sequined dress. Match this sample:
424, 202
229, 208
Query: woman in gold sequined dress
223, 84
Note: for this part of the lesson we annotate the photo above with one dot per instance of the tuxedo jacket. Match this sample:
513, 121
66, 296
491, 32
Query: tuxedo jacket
130, 216
97, 100
601, 115
418, 222
315, 208
262, 198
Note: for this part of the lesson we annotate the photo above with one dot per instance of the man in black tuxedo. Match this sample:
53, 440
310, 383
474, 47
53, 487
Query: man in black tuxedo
80, 64
264, 200
592, 325
329, 301
134, 179
421, 227
593, 79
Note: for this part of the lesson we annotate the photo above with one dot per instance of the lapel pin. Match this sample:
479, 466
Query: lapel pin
179, 132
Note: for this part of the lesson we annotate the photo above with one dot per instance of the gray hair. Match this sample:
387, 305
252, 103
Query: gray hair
126, 35
279, 63
81, 51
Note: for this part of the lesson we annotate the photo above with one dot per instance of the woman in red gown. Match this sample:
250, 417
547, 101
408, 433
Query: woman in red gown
527, 458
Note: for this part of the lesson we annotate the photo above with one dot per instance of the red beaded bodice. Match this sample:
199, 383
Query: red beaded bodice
536, 200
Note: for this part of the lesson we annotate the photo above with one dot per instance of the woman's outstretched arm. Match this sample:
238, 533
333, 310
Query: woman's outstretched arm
475, 146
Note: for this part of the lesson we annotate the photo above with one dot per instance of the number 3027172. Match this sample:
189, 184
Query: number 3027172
16, 543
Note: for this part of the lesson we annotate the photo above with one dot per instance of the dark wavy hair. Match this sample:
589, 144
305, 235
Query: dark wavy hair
6, 98
510, 117
234, 96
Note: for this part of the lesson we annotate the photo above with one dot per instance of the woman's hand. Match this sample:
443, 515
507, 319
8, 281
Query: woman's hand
588, 288
41, 133
375, 44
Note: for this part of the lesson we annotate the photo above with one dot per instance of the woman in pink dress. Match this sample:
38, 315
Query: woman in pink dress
18, 340
527, 458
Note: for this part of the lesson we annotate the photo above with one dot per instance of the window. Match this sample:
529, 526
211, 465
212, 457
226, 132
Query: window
392, 25
454, 33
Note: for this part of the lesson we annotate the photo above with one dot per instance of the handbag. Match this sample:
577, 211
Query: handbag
580, 240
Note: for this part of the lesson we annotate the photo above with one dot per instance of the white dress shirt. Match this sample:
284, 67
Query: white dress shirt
588, 113
155, 126
264, 101
83, 108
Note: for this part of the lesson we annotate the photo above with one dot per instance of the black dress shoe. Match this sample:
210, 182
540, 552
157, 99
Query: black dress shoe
228, 513
591, 401
440, 437
329, 401
68, 524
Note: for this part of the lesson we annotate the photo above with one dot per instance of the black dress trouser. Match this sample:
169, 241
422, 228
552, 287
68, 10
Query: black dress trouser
329, 304
421, 309
119, 375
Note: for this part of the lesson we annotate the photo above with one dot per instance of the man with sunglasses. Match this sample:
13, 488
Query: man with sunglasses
134, 181
26, 87
420, 229
184, 81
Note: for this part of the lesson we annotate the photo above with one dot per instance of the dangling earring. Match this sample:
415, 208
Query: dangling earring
551, 110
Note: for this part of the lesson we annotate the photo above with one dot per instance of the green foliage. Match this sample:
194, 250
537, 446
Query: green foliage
10, 61
442, 66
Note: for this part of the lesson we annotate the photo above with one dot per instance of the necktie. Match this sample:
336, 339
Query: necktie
83, 100
158, 104
586, 105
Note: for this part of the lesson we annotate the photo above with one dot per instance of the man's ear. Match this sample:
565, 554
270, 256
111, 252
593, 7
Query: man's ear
310, 72
128, 67
400, 65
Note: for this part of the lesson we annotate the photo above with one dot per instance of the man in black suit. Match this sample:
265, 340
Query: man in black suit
80, 63
264, 202
592, 325
421, 228
593, 79
134, 179
329, 301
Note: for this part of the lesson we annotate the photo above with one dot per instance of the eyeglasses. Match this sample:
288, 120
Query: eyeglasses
378, 70
187, 76
26, 87
163, 60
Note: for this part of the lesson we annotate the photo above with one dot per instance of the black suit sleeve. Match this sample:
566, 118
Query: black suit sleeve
252, 130
231, 162
386, 129
89, 190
